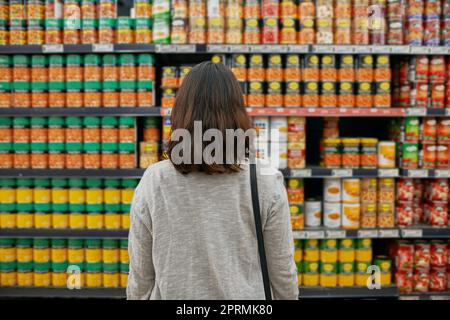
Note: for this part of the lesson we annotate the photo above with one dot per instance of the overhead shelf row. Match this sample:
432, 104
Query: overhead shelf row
224, 48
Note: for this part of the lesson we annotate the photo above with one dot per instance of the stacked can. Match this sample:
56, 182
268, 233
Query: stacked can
377, 22
296, 142
288, 17
274, 78
346, 263
178, 33
446, 23
414, 22
279, 141
262, 127
252, 14
386, 203
306, 18
143, 21
360, 22
328, 263
197, 21
150, 145
256, 76
405, 198
432, 23
346, 78
382, 82
5, 81
394, 16
343, 22
292, 77
39, 81
298, 258
310, 78
324, 20
363, 260
364, 81
332, 205
351, 198
311, 263
216, 21
295, 193
161, 21
436, 202
233, 28
369, 203
270, 14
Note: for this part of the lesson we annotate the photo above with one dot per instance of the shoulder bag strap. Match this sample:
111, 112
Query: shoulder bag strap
259, 233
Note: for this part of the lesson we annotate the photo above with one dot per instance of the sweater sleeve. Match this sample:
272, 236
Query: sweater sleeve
279, 245
141, 279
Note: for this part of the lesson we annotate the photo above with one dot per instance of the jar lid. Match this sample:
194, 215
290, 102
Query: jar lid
126, 122
91, 121
110, 267
145, 58
129, 183
94, 267
41, 266
93, 243
94, 183
24, 242
91, 59
21, 122
7, 242
332, 140
73, 121
24, 182
59, 242
75, 243
369, 140
151, 122
124, 267
124, 243
59, 182
109, 59
60, 266
350, 140
41, 242
6, 122
24, 266
73, 59
112, 183
110, 243
109, 122
39, 60
76, 183
56, 59
7, 183
41, 182
55, 121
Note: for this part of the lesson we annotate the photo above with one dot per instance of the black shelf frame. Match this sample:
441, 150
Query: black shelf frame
75, 173
390, 292
85, 111
48, 292
63, 233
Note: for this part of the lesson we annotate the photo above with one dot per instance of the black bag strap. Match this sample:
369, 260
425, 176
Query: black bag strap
259, 233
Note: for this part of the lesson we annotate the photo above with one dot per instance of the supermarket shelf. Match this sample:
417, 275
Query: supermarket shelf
80, 173
318, 172
426, 173
426, 296
390, 292
63, 233
224, 48
122, 111
32, 292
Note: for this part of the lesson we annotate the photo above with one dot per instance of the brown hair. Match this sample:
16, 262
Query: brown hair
211, 94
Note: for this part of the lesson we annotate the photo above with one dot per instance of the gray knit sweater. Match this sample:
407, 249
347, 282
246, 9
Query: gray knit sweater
193, 237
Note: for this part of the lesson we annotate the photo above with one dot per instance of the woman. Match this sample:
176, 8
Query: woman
192, 230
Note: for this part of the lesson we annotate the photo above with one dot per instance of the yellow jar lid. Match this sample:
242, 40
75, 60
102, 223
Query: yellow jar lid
350, 140
369, 140
332, 141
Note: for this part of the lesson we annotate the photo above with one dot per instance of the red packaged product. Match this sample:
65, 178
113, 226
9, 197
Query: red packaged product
438, 280
404, 99
417, 212
448, 279
421, 95
405, 256
438, 254
442, 156
436, 214
418, 189
270, 8
429, 130
421, 281
437, 95
437, 69
405, 214
404, 281
405, 190
437, 190
421, 68
422, 255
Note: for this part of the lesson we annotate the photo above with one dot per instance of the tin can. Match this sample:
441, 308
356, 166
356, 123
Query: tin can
405, 213
332, 190
351, 191
421, 282
350, 215
438, 254
404, 281
422, 255
386, 154
313, 213
332, 214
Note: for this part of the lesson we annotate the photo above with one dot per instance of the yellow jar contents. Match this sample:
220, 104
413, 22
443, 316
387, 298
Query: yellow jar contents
361, 279
42, 220
60, 196
59, 255
94, 196
346, 280
125, 220
77, 220
41, 255
77, 195
93, 255
94, 221
7, 195
24, 254
328, 280
124, 258
25, 278
94, 279
25, 220
111, 279
8, 278
123, 279
110, 255
75, 255
310, 279
112, 220
59, 279
24, 195
112, 196
42, 278
8, 220
127, 195
42, 195
7, 254
93, 250
60, 220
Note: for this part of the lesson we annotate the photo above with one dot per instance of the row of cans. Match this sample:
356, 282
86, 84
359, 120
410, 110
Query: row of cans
425, 130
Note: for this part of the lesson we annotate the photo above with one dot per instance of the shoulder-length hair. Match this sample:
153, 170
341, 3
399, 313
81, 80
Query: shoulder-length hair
211, 94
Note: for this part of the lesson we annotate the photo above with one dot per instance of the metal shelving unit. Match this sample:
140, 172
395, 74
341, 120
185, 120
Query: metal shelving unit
426, 296
390, 292
122, 111
36, 292
76, 173
63, 233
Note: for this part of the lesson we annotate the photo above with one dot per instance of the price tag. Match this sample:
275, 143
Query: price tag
388, 172
418, 173
216, 48
440, 173
447, 111
335, 234
363, 49
401, 49
433, 297
412, 233
343, 49
367, 233
315, 234
388, 233
301, 173
166, 48
52, 48
436, 50
409, 298
297, 48
323, 49
416, 111
97, 47
418, 50
343, 110
342, 172
381, 49
238, 48
188, 48
299, 234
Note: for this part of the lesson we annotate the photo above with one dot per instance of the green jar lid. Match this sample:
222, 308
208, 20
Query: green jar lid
75, 243
110, 267
53, 23
35, 24
55, 121
130, 183
5, 60
74, 147
7, 183
94, 183
91, 59
151, 122
79, 265
6, 122
73, 59
19, 59
124, 267
109, 122
108, 60
41, 183
93, 147
145, 58
56, 59
17, 24
59, 243
109, 147
24, 242
56, 147
76, 183
91, 121
124, 243
59, 183
21, 122
74, 121
41, 266
39, 147
25, 266
127, 59
40, 60
41, 243
23, 182
127, 146
7, 242
93, 243
60, 266
94, 267
125, 23
110, 243
142, 23
106, 23
89, 23
6, 147
112, 183
21, 147
126, 122
38, 122
8, 266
